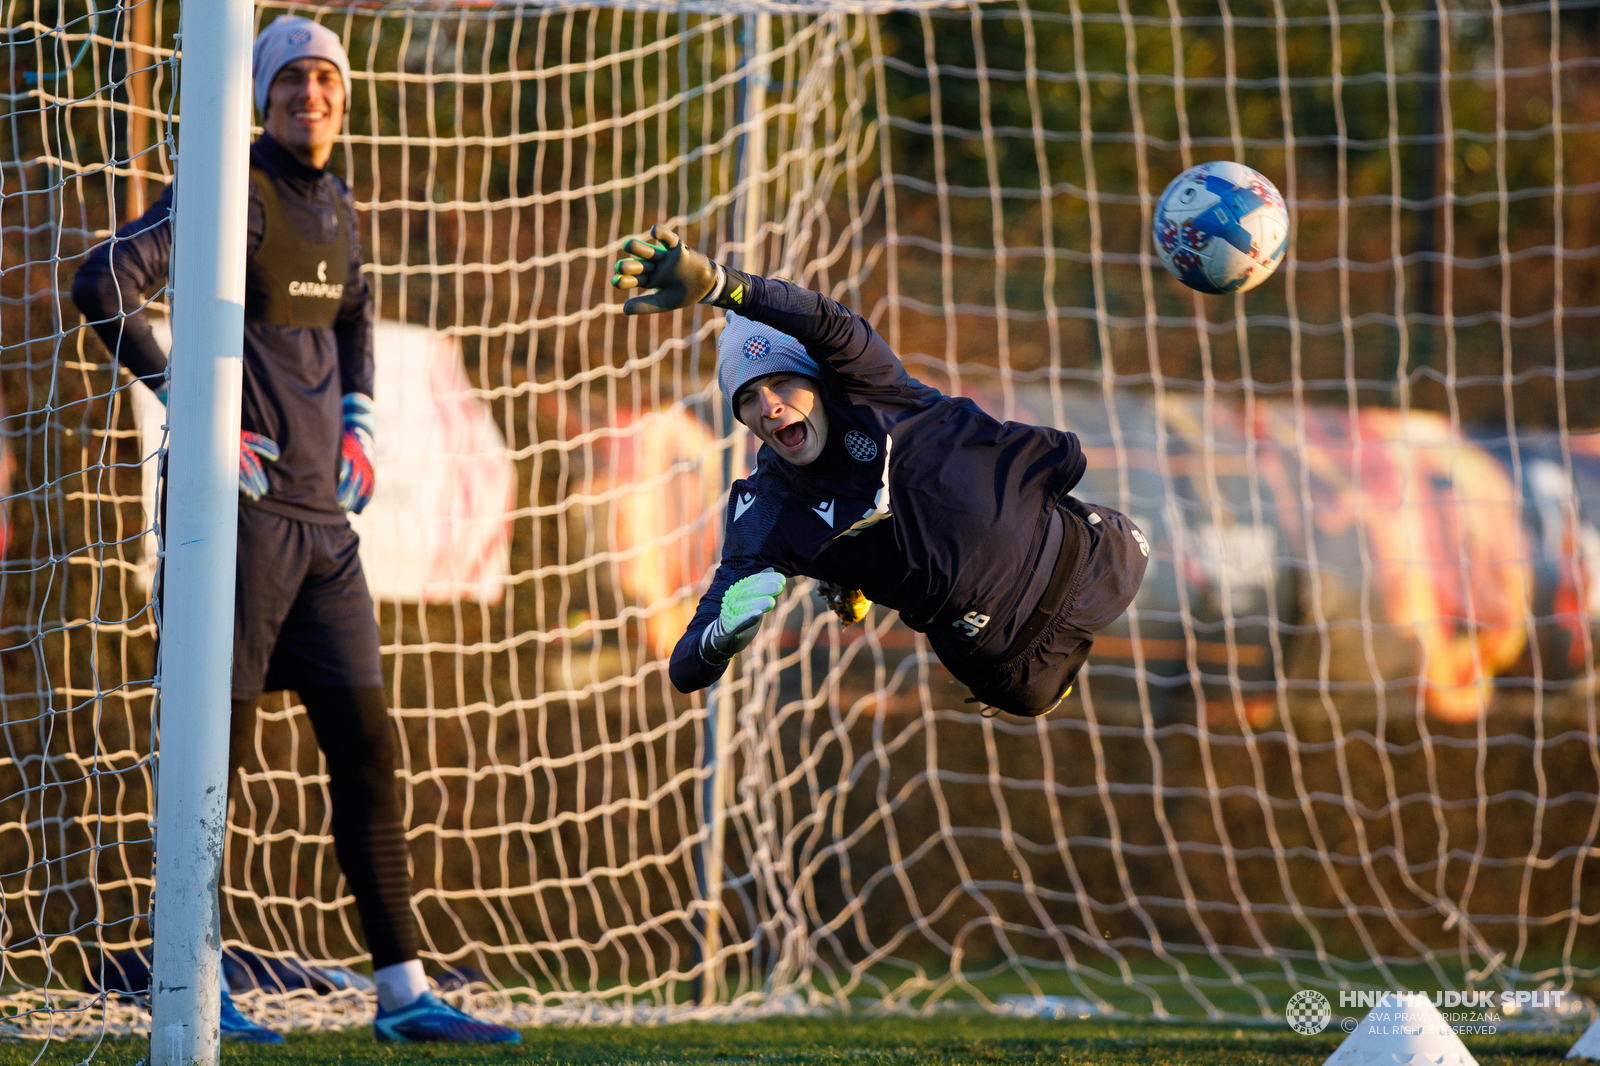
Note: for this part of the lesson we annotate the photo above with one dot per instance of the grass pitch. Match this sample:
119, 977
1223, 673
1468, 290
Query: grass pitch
947, 1039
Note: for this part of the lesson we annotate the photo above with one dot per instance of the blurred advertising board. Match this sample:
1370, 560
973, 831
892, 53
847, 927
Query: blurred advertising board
438, 526
1343, 550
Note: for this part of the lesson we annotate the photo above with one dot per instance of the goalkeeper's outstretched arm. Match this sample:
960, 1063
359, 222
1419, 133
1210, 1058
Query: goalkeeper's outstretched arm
840, 339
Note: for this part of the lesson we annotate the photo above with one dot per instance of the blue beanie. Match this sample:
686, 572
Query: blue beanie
748, 350
288, 38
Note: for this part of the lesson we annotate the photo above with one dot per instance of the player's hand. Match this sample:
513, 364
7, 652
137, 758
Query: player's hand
356, 477
849, 604
742, 607
680, 276
253, 448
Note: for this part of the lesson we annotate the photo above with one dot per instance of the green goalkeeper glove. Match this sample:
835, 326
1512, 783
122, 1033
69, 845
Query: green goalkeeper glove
680, 276
742, 607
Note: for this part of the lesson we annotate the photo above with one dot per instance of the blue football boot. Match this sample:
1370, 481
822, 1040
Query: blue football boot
432, 1019
236, 1026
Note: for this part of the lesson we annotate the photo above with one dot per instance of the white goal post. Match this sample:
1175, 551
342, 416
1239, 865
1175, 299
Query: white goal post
1346, 738
199, 533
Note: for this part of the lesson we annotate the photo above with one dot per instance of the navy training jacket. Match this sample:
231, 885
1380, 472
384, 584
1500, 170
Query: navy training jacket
921, 500
294, 376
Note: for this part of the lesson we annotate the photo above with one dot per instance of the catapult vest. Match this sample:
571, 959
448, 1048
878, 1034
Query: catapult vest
291, 281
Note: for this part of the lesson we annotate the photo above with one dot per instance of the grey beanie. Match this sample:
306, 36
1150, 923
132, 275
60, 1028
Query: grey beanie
288, 38
748, 350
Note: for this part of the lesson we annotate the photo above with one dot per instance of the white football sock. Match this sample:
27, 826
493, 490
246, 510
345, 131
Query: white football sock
400, 985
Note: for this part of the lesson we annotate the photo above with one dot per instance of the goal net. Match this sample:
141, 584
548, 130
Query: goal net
1346, 737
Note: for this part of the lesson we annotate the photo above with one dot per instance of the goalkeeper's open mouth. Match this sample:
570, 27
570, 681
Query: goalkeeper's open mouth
799, 442
792, 438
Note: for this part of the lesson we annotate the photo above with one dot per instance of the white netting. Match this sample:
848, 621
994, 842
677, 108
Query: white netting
1346, 737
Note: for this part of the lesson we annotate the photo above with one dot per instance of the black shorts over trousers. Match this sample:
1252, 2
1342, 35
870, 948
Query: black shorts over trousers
301, 610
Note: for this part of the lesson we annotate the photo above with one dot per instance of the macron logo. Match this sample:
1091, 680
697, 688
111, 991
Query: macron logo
745, 501
825, 512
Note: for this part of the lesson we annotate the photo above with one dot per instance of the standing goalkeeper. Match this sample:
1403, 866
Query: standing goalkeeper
303, 617
869, 480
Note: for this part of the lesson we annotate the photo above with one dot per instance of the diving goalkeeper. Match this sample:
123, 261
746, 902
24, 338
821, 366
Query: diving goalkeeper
869, 480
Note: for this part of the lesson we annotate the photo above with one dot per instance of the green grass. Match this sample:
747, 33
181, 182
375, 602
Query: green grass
963, 1039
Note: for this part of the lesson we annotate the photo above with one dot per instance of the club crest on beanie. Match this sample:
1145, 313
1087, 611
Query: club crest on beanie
290, 37
748, 350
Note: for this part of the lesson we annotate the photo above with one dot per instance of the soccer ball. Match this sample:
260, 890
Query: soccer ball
1221, 227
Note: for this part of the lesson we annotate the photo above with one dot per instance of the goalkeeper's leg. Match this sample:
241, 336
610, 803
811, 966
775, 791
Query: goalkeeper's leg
369, 837
354, 732
304, 621
358, 741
